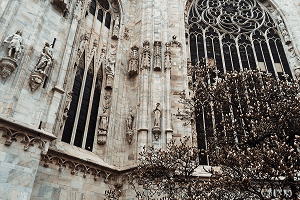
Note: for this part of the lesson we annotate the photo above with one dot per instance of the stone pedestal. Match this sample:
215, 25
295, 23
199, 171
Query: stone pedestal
102, 136
7, 66
156, 132
129, 136
109, 81
36, 80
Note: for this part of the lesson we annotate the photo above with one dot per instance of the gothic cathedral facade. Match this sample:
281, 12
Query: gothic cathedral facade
86, 84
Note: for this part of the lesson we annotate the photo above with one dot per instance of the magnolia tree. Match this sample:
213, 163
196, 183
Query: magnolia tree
253, 135
167, 174
250, 122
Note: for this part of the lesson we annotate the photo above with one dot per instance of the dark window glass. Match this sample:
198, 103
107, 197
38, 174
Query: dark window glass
67, 133
84, 107
107, 20
93, 7
100, 15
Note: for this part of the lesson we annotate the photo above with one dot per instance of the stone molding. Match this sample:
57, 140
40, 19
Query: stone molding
76, 165
26, 139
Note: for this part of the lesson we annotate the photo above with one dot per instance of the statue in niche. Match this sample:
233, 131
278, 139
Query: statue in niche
133, 61
157, 56
157, 117
129, 121
103, 121
14, 45
109, 70
146, 55
38, 76
15, 48
129, 127
102, 130
116, 29
45, 59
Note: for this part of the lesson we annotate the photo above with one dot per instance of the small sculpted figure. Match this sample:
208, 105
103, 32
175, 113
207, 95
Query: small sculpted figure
14, 45
45, 59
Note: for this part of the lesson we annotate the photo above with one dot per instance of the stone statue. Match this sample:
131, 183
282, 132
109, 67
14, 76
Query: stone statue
129, 121
116, 29
45, 59
157, 114
133, 61
14, 45
297, 72
156, 128
104, 121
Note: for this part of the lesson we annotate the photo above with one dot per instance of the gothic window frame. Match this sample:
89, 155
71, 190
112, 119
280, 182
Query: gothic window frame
97, 50
106, 12
238, 46
97, 73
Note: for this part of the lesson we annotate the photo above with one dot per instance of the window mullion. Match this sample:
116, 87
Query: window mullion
254, 52
222, 54
79, 103
238, 52
271, 56
89, 111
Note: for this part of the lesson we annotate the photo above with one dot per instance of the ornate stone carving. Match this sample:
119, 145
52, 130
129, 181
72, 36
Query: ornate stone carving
129, 127
109, 70
297, 72
126, 34
107, 101
168, 57
156, 122
116, 29
174, 42
66, 109
39, 74
76, 167
133, 65
15, 48
82, 45
102, 130
146, 55
284, 31
27, 140
157, 56
45, 59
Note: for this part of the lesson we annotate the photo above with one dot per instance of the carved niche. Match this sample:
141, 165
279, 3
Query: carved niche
157, 56
167, 57
102, 130
146, 56
133, 65
156, 122
129, 127
39, 74
116, 28
15, 48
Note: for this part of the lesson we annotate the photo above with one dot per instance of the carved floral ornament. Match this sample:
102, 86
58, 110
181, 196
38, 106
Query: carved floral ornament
27, 140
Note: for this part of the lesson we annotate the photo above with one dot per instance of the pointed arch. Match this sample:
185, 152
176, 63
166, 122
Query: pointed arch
237, 35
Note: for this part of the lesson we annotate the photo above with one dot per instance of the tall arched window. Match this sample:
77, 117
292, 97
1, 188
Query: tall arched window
236, 35
80, 126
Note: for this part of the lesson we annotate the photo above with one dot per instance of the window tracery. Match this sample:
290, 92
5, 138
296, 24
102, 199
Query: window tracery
234, 35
